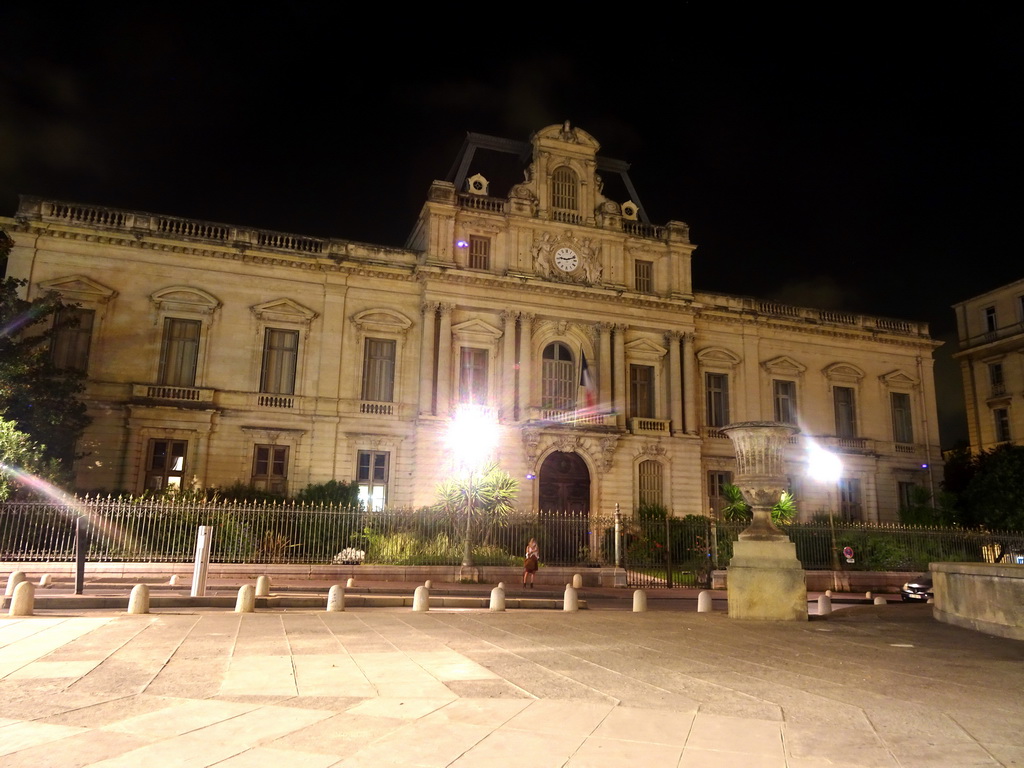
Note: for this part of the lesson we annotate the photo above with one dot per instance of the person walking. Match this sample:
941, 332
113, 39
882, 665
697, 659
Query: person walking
532, 562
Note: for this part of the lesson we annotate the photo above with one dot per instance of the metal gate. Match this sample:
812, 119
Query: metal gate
660, 551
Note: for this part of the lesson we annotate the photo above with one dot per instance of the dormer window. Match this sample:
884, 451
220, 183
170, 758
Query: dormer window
564, 190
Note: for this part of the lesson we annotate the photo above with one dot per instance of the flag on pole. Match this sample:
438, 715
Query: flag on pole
587, 383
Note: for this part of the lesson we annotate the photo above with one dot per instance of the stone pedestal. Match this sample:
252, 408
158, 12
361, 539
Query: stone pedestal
766, 581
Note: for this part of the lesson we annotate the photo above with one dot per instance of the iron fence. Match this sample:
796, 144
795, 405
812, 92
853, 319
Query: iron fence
655, 551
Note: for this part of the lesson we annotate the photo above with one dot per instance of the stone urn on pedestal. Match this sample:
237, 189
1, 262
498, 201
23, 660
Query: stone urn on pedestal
765, 578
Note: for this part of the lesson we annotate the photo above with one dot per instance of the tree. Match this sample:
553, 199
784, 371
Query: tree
39, 399
491, 495
994, 495
736, 508
20, 458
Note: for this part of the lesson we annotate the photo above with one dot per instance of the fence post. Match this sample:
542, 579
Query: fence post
202, 561
81, 550
668, 549
618, 536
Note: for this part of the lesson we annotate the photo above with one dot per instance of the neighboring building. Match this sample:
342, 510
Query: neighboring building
217, 353
991, 332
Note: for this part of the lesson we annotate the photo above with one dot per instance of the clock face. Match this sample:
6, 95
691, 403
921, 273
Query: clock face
566, 259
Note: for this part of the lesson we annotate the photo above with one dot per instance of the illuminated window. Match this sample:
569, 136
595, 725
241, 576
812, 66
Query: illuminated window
71, 339
717, 405
564, 190
165, 464
846, 416
270, 468
649, 476
473, 376
902, 423
179, 353
379, 370
372, 477
785, 400
641, 391
558, 382
479, 252
280, 353
643, 275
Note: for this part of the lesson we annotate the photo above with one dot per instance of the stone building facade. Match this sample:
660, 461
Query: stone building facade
218, 354
990, 329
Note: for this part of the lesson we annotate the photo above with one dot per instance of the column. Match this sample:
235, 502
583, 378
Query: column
604, 361
525, 365
690, 387
429, 310
619, 344
675, 382
507, 410
444, 361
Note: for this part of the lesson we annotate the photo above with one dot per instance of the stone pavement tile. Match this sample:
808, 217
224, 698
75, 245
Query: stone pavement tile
181, 716
694, 757
486, 689
264, 675
48, 636
536, 680
35, 699
324, 675
21, 735
260, 634
999, 727
99, 714
419, 744
261, 757
615, 753
448, 665
568, 718
416, 689
644, 725
854, 747
1007, 754
736, 734
76, 751
52, 669
917, 755
195, 677
488, 712
516, 748
306, 633
328, 703
340, 735
403, 709
118, 677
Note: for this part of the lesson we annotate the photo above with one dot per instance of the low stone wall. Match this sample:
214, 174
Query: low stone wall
981, 596
882, 582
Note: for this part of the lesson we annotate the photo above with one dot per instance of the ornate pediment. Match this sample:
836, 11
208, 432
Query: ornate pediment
843, 372
645, 349
283, 311
783, 365
79, 288
719, 357
898, 380
182, 298
476, 331
381, 320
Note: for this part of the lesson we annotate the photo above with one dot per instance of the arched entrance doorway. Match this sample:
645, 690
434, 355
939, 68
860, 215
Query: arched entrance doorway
564, 503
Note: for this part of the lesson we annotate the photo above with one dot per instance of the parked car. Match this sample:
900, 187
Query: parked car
918, 588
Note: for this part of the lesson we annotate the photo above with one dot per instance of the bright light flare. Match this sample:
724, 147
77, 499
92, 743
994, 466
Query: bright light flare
472, 435
824, 466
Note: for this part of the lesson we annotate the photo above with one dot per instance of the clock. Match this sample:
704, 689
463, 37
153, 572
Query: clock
566, 259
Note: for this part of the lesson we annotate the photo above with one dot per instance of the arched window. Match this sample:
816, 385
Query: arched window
558, 378
649, 482
564, 190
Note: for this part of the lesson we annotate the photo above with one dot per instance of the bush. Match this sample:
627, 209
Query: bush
332, 492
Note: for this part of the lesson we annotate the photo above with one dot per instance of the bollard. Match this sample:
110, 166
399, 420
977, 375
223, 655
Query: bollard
246, 602
639, 601
13, 581
880, 600
421, 599
23, 600
824, 604
577, 581
501, 585
173, 581
931, 601
828, 593
428, 584
350, 583
497, 599
336, 598
263, 586
45, 581
704, 602
138, 600
571, 602
867, 595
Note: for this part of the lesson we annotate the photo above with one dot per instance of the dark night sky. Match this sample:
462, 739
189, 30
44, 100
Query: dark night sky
865, 163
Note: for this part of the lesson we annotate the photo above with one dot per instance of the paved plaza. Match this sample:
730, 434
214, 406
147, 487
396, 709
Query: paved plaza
866, 686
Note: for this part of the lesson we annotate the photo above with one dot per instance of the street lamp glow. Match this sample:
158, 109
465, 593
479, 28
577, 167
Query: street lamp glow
472, 436
824, 466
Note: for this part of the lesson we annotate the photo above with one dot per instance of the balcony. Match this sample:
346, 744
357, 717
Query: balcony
173, 393
578, 418
375, 408
645, 426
